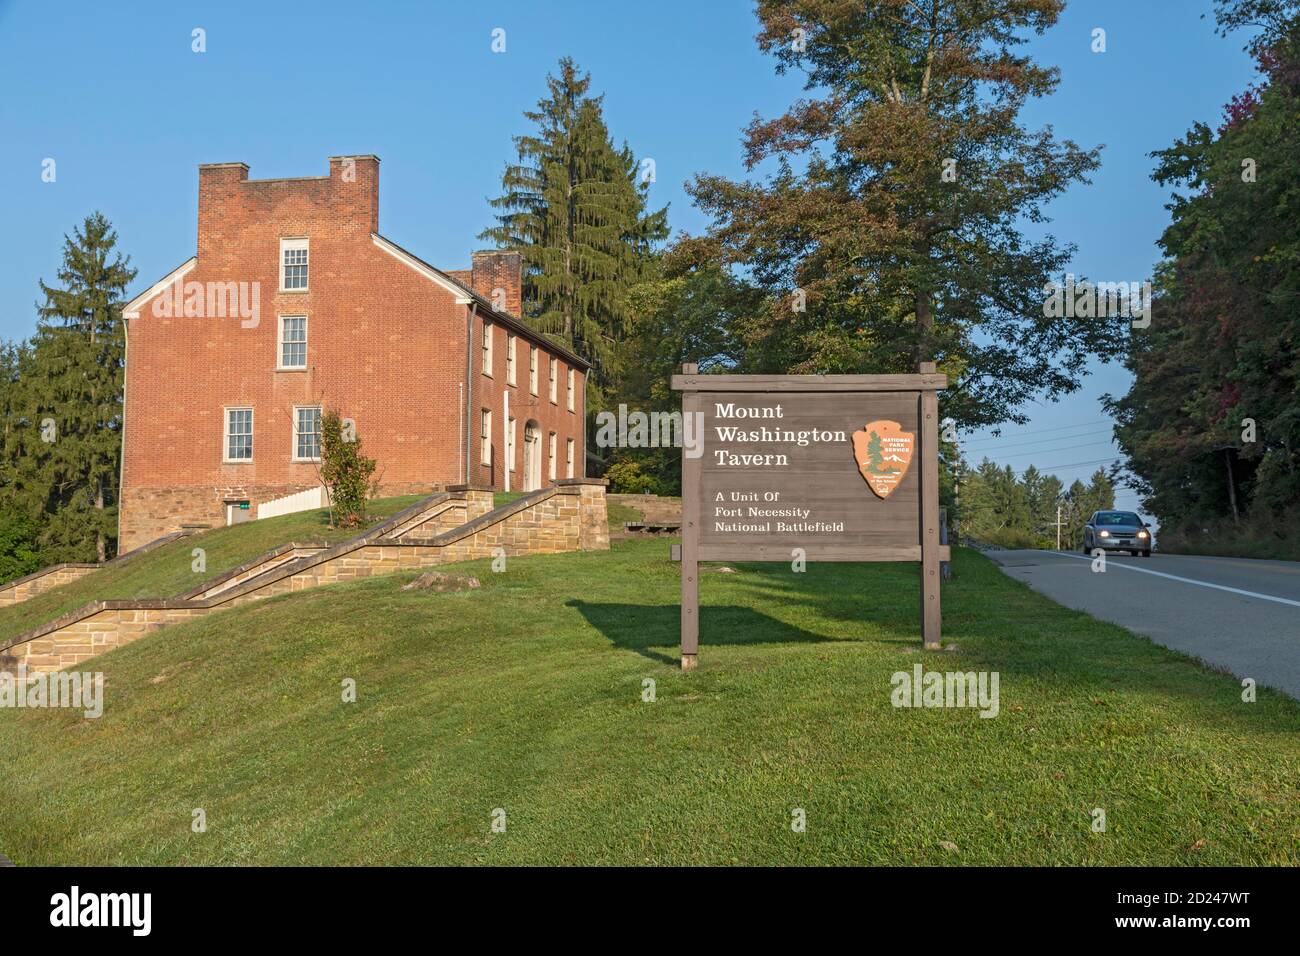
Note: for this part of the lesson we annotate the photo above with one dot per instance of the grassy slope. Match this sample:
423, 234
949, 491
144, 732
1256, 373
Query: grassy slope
168, 571
526, 695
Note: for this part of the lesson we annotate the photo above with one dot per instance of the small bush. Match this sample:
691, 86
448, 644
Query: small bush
632, 478
345, 472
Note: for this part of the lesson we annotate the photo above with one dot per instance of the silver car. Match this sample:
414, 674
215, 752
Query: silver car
1117, 531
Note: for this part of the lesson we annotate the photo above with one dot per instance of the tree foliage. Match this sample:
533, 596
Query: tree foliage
62, 406
575, 207
999, 508
1211, 424
889, 230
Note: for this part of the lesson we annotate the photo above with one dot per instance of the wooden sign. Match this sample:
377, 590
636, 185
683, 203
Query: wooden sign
812, 467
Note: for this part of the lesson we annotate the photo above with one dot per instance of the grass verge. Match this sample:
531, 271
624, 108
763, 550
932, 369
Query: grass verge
527, 695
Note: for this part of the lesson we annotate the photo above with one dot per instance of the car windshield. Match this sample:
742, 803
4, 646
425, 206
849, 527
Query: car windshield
1118, 517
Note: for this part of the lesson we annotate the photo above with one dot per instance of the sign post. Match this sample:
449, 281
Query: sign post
811, 468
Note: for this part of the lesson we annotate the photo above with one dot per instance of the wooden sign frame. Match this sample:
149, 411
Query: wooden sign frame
925, 547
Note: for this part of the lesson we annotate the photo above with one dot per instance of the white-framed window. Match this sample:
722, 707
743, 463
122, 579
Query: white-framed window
237, 439
553, 380
568, 458
306, 433
551, 469
293, 265
532, 369
485, 437
510, 358
510, 444
571, 392
293, 341
487, 348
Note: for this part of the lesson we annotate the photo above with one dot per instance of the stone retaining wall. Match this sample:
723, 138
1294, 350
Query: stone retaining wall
569, 517
27, 587
38, 582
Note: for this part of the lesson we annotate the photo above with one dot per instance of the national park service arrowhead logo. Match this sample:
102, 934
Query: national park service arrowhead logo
883, 451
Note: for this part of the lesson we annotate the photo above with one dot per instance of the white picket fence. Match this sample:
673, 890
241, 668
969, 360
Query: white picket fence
298, 501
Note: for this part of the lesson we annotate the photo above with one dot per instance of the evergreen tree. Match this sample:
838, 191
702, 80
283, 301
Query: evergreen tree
21, 504
575, 207
73, 437
875, 459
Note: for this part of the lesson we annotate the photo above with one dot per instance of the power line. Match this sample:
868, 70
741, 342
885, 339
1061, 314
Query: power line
1030, 454
1040, 441
1060, 428
1072, 464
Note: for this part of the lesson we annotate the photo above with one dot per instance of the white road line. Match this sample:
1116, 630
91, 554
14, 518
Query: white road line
1175, 577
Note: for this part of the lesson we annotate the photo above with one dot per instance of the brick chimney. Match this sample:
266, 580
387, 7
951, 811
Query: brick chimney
359, 176
219, 191
497, 274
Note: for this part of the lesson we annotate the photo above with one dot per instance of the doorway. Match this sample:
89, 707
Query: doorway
532, 456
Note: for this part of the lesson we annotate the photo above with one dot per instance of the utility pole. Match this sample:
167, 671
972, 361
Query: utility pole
1058, 526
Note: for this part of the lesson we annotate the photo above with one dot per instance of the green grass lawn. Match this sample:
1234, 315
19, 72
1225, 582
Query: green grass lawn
526, 695
168, 571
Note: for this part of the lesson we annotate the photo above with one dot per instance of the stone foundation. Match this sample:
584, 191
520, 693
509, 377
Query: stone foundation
147, 513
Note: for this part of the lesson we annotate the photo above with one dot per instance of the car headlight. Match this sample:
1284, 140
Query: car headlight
1143, 534
1105, 534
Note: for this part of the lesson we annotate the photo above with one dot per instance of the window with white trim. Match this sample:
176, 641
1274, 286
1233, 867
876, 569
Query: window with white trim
551, 469
532, 369
293, 265
571, 390
485, 437
487, 348
510, 358
510, 444
293, 341
553, 380
238, 438
568, 458
306, 433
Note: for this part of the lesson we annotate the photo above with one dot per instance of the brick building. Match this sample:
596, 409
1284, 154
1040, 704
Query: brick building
294, 303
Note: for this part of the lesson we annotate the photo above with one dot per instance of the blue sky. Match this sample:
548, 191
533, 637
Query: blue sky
114, 94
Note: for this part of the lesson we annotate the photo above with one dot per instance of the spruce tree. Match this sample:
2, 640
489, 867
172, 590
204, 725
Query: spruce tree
574, 206
73, 438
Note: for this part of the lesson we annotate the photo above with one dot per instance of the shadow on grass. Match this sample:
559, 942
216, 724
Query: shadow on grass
646, 627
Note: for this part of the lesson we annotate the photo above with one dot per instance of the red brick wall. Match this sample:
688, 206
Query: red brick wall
386, 346
524, 407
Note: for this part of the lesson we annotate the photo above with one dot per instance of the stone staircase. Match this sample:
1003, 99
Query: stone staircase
459, 524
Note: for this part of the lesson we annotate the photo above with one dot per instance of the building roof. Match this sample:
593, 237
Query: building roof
503, 318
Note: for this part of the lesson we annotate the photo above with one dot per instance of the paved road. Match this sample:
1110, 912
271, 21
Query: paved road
1236, 613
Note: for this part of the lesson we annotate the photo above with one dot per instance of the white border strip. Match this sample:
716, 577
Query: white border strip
1175, 577
132, 309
